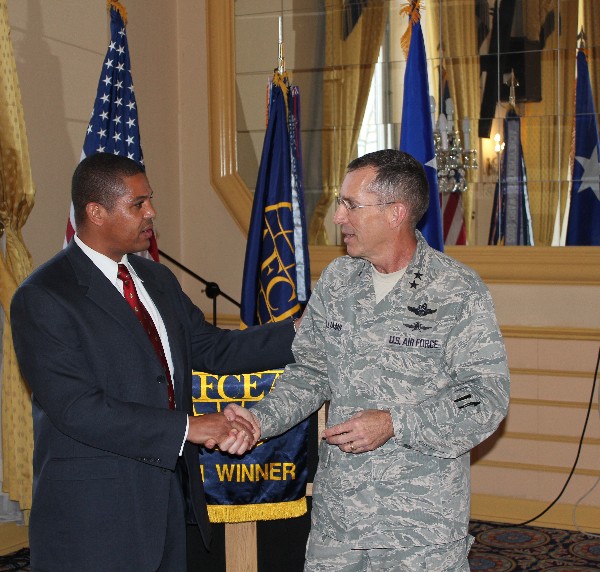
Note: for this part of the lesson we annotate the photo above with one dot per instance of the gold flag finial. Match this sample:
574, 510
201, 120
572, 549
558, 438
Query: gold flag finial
512, 83
119, 7
581, 39
413, 9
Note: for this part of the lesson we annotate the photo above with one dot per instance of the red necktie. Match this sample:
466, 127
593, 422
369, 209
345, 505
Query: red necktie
140, 311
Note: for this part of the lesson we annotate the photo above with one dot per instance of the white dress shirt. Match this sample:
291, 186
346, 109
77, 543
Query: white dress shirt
109, 268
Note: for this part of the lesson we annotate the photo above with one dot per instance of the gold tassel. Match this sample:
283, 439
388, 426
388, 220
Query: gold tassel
414, 11
283, 81
263, 511
119, 7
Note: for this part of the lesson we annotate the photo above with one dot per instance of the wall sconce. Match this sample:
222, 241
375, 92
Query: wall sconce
491, 163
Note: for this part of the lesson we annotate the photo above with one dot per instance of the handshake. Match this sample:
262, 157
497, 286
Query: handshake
235, 430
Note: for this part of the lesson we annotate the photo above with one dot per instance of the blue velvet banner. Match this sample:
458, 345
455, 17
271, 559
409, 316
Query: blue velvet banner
268, 482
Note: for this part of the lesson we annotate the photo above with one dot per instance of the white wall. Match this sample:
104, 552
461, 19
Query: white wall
59, 47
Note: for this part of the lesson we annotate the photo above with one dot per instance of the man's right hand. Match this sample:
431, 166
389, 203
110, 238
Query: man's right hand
235, 412
233, 436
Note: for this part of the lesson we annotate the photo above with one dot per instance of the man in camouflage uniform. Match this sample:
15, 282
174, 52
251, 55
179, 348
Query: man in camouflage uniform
403, 342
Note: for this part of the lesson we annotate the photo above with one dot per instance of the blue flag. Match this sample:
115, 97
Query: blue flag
510, 223
276, 256
416, 136
584, 213
113, 127
269, 482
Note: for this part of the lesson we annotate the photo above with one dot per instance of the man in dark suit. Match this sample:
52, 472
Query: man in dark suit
116, 472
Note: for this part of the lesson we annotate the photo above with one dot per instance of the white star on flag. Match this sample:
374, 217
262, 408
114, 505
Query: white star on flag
591, 173
432, 163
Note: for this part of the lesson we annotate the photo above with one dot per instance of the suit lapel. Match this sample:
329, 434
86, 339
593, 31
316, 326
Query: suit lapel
100, 291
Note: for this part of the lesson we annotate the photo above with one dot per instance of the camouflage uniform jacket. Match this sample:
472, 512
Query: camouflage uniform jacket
432, 354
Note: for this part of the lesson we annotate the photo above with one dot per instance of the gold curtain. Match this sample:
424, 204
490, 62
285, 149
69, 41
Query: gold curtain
591, 26
349, 66
546, 126
457, 50
16, 200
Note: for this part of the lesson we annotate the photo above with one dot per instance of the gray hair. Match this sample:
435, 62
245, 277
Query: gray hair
400, 177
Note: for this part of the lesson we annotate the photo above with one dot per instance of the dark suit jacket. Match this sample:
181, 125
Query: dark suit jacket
105, 442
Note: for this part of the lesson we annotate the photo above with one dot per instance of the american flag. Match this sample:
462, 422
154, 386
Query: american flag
113, 127
451, 204
453, 219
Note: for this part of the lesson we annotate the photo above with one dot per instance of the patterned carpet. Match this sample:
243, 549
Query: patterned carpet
496, 549
504, 549
16, 561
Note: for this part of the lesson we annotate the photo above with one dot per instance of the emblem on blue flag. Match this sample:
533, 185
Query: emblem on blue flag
276, 279
268, 482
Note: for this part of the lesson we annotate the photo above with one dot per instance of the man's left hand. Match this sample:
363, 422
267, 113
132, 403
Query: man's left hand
365, 431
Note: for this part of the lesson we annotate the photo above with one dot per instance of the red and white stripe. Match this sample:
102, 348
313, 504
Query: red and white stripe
453, 219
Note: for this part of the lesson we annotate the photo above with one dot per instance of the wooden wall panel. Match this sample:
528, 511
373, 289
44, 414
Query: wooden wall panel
527, 462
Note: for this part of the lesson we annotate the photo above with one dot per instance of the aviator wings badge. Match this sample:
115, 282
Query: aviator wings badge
421, 310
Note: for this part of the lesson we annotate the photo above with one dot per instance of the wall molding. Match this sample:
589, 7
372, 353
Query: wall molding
13, 537
576, 265
551, 372
491, 508
551, 333
549, 403
509, 332
225, 320
572, 439
535, 468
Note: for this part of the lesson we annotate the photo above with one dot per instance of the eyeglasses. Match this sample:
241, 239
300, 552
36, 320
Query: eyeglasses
350, 206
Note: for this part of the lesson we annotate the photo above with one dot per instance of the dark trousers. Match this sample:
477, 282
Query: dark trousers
174, 553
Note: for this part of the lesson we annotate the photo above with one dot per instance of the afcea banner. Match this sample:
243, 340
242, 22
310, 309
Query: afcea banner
268, 482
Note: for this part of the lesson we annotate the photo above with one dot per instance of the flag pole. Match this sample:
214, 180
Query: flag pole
581, 39
512, 83
280, 57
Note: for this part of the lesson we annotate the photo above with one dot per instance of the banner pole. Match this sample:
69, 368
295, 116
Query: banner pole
241, 547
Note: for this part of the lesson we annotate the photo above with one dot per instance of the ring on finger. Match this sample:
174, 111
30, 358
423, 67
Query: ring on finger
352, 447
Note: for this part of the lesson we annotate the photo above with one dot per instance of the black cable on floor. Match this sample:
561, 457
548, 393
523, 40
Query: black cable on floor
587, 417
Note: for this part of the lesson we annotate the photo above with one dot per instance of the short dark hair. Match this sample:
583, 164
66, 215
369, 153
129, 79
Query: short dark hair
400, 177
99, 179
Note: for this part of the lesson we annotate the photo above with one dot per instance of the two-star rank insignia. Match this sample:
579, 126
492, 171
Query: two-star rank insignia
414, 283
